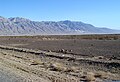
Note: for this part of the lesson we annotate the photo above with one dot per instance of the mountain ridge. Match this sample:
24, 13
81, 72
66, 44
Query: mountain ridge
23, 26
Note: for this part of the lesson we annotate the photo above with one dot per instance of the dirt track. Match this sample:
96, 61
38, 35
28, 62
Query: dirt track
49, 66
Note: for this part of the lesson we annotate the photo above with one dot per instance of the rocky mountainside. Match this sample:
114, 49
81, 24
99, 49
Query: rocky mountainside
22, 26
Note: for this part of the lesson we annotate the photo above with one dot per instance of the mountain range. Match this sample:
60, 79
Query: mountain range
22, 26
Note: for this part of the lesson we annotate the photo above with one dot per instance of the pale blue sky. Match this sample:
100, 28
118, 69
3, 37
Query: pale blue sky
101, 13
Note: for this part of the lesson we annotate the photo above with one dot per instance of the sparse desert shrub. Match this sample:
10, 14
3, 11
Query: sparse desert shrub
65, 51
101, 38
91, 44
88, 76
101, 74
36, 62
99, 57
62, 50
115, 38
49, 51
58, 67
74, 69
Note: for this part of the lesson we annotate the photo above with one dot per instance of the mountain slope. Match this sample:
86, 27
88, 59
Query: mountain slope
22, 26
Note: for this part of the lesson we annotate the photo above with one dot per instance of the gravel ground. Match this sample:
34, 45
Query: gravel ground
85, 56
85, 47
7, 76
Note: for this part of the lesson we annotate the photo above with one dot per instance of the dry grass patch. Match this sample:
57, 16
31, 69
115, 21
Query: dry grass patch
88, 77
101, 74
58, 67
75, 69
36, 62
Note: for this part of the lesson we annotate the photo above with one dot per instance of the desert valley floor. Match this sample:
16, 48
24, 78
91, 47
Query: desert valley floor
60, 58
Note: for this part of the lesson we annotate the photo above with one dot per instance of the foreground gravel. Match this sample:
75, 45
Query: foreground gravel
7, 76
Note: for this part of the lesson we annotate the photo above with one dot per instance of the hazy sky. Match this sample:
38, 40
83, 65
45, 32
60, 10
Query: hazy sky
101, 13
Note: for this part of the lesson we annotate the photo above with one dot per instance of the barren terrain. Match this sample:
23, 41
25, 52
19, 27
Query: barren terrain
72, 58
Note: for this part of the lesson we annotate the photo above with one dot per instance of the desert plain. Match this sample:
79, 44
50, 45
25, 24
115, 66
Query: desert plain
60, 58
